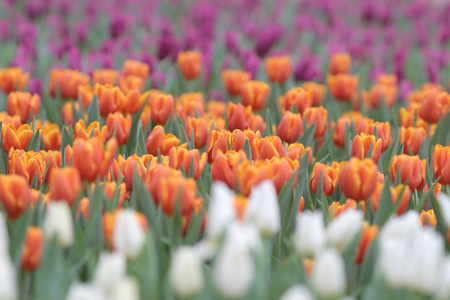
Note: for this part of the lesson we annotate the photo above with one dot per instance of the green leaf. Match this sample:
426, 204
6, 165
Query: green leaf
35, 142
93, 112
248, 150
191, 144
308, 135
385, 203
130, 146
66, 139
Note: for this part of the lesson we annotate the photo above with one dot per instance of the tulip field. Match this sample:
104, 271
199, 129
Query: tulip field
241, 149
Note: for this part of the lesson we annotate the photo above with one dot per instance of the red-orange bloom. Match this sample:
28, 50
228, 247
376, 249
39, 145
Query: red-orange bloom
441, 163
339, 63
65, 185
130, 83
412, 170
412, 139
368, 234
290, 128
428, 218
159, 140
200, 128
110, 189
404, 201
176, 188
133, 164
297, 96
13, 79
132, 102
23, 104
254, 94
108, 98
330, 178
51, 135
119, 125
184, 157
378, 93
52, 159
383, 132
135, 68
81, 132
296, 151
238, 116
32, 249
318, 92
15, 195
190, 104
105, 76
66, 83
361, 145
270, 146
190, 64
27, 164
434, 105
343, 87
161, 106
217, 140
278, 69
336, 208
233, 80
224, 164
319, 117
92, 158
359, 178
16, 139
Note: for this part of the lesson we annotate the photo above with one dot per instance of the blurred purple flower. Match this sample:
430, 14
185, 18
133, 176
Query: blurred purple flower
35, 86
158, 79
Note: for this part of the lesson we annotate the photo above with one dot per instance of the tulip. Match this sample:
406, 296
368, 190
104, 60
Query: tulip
65, 83
174, 189
238, 116
92, 159
161, 107
85, 291
343, 87
317, 116
297, 292
441, 164
224, 165
217, 140
65, 185
358, 179
110, 188
330, 177
16, 139
256, 123
158, 140
131, 83
329, 279
412, 170
105, 76
127, 288
404, 201
129, 237
200, 131
185, 273
290, 128
368, 234
428, 218
119, 125
317, 91
23, 104
83, 208
263, 209
13, 79
233, 81
15, 195
339, 63
270, 147
135, 68
282, 170
27, 164
110, 270
190, 64
190, 104
58, 223
9, 290
133, 164
361, 145
94, 129
296, 151
132, 102
342, 230
188, 159
221, 210
254, 94
52, 137
379, 93
300, 97
310, 236
32, 249
412, 139
434, 106
278, 69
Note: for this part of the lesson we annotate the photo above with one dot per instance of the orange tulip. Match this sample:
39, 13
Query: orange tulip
296, 151
67, 111
404, 201
319, 117
247, 175
412, 139
216, 109
105, 76
161, 106
343, 87
441, 163
119, 125
66, 83
146, 117
65, 185
108, 98
290, 128
297, 96
159, 140
110, 188
130, 83
278, 69
361, 145
83, 208
190, 64
92, 158
26, 164
378, 93
358, 179
13, 79
52, 159
339, 63
190, 104
240, 204
135, 68
224, 164
32, 249
269, 147
15, 195
200, 128
383, 132
233, 81
282, 171
434, 106
217, 140
52, 137
336, 208
6, 119
256, 123
173, 188
132, 164
318, 92
412, 170
23, 104
132, 102
16, 139
254, 94
428, 218
238, 116
238, 138
185, 158
94, 129
330, 178
368, 234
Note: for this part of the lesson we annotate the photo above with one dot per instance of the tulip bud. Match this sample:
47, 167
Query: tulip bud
317, 116
310, 236
15, 195
200, 128
411, 170
361, 145
412, 139
110, 270
84, 291
23, 104
58, 223
441, 163
32, 249
342, 230
65, 83
105, 76
127, 288
254, 94
359, 179
185, 273
330, 177
339, 63
161, 107
278, 69
135, 68
129, 237
297, 292
290, 128
221, 210
343, 87
233, 80
9, 290
190, 64
329, 279
65, 185
13, 79
120, 125
263, 208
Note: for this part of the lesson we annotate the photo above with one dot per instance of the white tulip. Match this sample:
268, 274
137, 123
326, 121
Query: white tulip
185, 273
4, 238
444, 203
443, 290
263, 208
9, 289
297, 292
205, 249
344, 228
310, 234
234, 266
111, 268
59, 223
129, 237
329, 279
221, 210
84, 291
128, 289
